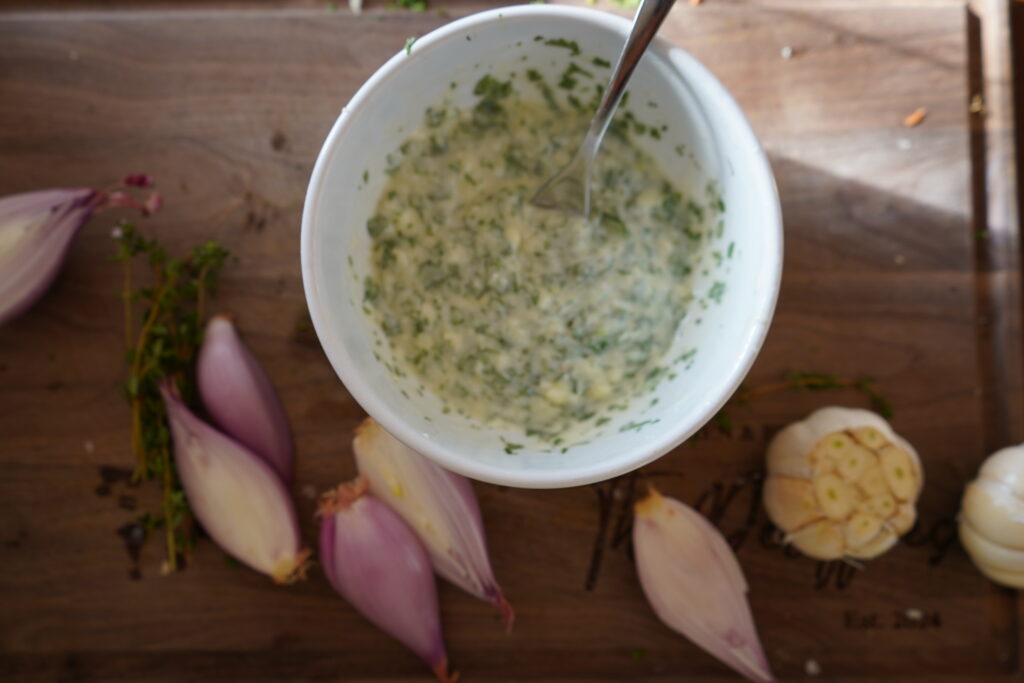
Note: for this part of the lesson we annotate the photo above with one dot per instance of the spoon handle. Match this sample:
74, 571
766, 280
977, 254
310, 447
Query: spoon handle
649, 17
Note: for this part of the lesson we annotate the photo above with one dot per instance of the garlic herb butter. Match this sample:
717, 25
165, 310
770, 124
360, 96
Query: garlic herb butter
519, 316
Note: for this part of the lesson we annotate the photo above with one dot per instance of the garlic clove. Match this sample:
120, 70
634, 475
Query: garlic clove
882, 507
869, 437
904, 519
1011, 579
994, 511
985, 551
834, 496
790, 462
872, 482
791, 501
860, 529
900, 473
821, 540
882, 542
1006, 467
834, 447
855, 462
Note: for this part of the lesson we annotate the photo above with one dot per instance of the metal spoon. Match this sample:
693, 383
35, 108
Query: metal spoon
569, 189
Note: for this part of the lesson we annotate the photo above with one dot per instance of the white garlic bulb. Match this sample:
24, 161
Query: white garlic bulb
992, 517
842, 483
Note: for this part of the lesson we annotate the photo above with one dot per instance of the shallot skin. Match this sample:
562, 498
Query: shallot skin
235, 495
238, 395
375, 561
694, 583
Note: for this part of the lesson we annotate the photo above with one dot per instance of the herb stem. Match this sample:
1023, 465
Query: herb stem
811, 382
818, 382
134, 378
168, 489
126, 297
201, 293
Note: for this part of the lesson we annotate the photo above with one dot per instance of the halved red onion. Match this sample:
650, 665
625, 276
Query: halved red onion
236, 496
693, 581
376, 562
439, 505
238, 395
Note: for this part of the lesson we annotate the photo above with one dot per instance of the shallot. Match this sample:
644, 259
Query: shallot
694, 583
236, 496
376, 562
238, 395
36, 231
439, 505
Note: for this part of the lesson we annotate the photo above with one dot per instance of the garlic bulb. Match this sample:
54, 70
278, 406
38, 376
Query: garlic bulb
842, 483
992, 517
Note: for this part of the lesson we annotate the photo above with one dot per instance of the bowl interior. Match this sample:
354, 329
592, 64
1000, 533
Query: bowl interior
702, 138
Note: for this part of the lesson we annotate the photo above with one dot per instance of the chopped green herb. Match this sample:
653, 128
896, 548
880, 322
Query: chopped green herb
716, 292
633, 426
409, 42
570, 45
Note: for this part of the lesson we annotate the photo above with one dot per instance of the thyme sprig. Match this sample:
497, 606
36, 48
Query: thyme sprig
164, 346
808, 381
817, 381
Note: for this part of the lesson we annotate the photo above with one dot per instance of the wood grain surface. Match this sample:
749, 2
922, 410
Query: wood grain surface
886, 275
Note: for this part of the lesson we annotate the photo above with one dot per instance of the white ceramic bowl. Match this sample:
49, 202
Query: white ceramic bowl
719, 146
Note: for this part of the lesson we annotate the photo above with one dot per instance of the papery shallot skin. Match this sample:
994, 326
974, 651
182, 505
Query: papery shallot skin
692, 579
236, 496
376, 562
238, 395
439, 505
36, 231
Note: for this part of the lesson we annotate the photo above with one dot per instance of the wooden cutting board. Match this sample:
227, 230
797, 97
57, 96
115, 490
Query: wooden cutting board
888, 274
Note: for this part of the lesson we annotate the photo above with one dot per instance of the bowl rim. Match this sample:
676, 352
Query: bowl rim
646, 451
